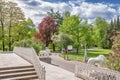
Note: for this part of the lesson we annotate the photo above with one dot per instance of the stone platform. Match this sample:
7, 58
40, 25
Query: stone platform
12, 60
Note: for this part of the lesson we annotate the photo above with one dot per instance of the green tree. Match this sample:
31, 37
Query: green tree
13, 25
23, 33
25, 30
66, 14
10, 15
87, 34
2, 22
78, 29
14, 15
101, 26
56, 15
63, 40
70, 26
111, 32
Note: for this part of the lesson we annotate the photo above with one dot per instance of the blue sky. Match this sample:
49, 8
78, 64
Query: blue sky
86, 9
105, 1
93, 1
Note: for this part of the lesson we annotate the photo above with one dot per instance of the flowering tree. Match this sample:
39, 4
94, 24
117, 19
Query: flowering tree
46, 28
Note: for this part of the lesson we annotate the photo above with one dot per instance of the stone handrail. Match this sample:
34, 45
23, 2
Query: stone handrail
91, 72
29, 54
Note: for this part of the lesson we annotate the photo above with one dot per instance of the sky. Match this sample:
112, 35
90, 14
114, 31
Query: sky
86, 9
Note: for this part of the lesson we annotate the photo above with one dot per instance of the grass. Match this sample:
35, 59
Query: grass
90, 53
1, 51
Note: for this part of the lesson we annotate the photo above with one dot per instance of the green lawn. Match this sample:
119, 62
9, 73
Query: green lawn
90, 53
1, 51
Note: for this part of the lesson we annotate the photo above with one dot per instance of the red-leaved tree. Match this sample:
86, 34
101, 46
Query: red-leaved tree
46, 28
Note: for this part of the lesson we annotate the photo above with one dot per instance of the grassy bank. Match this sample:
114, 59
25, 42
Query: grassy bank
90, 53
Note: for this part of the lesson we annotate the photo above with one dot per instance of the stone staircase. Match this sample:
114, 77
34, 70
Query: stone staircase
18, 73
21, 64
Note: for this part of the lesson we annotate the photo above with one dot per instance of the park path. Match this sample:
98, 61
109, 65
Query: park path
67, 65
12, 60
57, 73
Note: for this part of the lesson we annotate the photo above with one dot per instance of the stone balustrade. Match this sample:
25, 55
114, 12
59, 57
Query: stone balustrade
91, 72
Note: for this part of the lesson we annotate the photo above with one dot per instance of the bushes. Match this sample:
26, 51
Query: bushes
23, 43
38, 46
113, 60
30, 43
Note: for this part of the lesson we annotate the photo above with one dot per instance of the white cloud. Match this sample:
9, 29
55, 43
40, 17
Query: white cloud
92, 10
119, 10
38, 12
37, 9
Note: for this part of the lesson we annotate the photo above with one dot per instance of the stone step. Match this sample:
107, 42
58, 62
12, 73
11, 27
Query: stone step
26, 77
16, 67
17, 74
16, 70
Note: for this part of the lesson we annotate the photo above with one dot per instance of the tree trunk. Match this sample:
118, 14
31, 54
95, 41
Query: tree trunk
77, 50
9, 39
53, 47
66, 55
46, 44
3, 43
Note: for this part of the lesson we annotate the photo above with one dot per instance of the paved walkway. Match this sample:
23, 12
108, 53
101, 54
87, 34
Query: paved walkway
67, 65
57, 73
52, 72
12, 60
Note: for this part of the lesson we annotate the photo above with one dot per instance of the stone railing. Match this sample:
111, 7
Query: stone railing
91, 72
29, 54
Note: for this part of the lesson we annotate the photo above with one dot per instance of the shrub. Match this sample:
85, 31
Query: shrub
37, 46
23, 43
30, 43
113, 59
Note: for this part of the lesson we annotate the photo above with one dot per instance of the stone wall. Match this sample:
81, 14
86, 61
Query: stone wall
91, 72
30, 55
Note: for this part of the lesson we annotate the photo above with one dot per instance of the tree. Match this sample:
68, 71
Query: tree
58, 17
70, 26
79, 30
113, 59
111, 31
10, 14
101, 26
2, 21
14, 15
13, 25
25, 30
66, 14
46, 28
87, 35
63, 40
